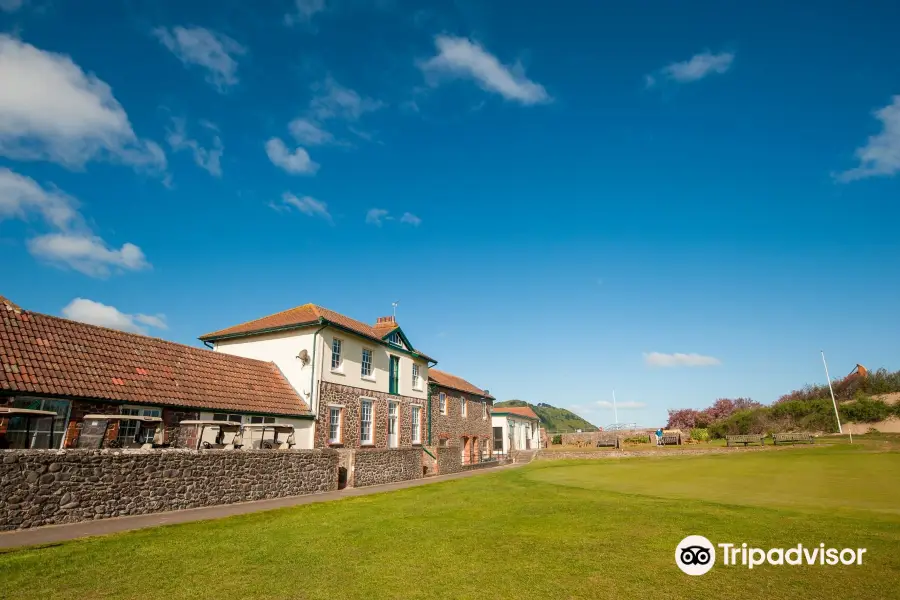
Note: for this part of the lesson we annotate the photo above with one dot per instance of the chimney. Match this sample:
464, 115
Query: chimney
386, 320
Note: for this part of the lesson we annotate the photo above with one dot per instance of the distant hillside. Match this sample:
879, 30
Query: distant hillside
552, 418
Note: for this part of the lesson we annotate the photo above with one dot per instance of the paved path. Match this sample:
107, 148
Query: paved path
52, 534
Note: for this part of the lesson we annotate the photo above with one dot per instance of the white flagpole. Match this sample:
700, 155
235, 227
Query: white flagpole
615, 410
833, 401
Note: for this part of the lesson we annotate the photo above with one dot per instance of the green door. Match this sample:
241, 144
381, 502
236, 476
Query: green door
394, 375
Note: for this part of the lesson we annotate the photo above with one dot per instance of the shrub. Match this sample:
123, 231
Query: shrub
699, 434
641, 439
865, 410
557, 439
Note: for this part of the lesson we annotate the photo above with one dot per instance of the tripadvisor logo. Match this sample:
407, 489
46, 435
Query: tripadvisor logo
696, 555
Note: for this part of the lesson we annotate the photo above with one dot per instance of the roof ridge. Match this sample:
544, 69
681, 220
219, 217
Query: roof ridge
275, 314
149, 337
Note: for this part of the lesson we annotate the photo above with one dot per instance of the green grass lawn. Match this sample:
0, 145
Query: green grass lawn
558, 529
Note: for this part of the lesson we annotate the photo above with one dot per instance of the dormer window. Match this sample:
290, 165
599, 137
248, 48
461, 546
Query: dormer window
394, 339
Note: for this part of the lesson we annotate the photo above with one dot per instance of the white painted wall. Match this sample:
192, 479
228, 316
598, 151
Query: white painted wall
522, 429
350, 370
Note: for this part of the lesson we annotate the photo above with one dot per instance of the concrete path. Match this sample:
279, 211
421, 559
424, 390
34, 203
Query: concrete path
53, 534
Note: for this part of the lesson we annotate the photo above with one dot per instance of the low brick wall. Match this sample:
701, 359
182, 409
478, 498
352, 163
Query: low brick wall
380, 466
449, 460
41, 487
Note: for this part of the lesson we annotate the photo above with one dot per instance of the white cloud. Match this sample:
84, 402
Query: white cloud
307, 205
659, 359
213, 51
304, 10
72, 244
296, 162
308, 133
96, 313
331, 100
622, 405
52, 110
694, 69
11, 5
411, 219
460, 57
881, 154
376, 216
209, 159
86, 253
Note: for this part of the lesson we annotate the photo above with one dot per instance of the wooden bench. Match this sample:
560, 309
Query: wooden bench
745, 439
670, 439
787, 438
608, 442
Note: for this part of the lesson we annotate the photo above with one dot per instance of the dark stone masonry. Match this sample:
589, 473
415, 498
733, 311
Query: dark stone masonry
377, 467
40, 487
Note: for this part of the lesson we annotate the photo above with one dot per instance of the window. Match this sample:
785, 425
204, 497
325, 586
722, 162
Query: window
133, 430
335, 354
416, 425
394, 339
334, 425
498, 439
40, 428
262, 419
443, 442
393, 425
366, 370
227, 417
483, 409
442, 400
462, 406
365, 422
416, 380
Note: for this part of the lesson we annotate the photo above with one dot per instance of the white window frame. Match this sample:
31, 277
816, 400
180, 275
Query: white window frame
371, 422
337, 355
416, 377
230, 417
442, 403
340, 417
416, 424
395, 339
130, 429
393, 421
463, 408
370, 375
258, 419
483, 410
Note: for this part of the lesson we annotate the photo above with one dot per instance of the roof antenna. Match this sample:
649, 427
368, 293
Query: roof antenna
395, 304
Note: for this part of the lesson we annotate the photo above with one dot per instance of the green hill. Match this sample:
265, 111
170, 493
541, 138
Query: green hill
553, 418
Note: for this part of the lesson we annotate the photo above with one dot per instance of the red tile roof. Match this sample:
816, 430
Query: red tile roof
8, 303
522, 411
307, 314
453, 382
41, 354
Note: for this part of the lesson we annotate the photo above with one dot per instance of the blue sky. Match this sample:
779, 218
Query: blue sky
681, 202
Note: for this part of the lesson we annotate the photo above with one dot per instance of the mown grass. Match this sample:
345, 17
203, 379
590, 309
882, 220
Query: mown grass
566, 529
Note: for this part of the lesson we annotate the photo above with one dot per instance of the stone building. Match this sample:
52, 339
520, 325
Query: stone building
460, 416
74, 369
367, 385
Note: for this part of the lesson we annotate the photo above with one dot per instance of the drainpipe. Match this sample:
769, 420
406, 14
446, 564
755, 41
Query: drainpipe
313, 397
430, 392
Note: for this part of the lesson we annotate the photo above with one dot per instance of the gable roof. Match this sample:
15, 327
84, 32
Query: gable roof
453, 382
307, 315
519, 411
42, 354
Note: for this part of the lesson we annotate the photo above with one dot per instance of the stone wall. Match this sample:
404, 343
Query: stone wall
42, 487
380, 466
348, 398
449, 460
453, 427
